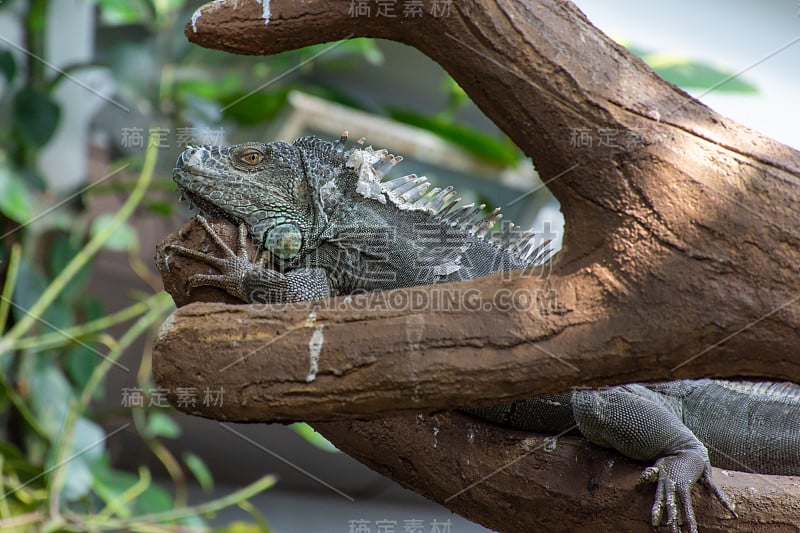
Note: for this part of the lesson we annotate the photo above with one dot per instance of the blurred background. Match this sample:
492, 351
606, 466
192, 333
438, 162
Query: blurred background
98, 98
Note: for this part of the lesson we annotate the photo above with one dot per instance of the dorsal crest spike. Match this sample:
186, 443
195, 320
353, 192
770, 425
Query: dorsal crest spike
397, 182
460, 212
534, 252
383, 166
412, 182
442, 215
464, 216
484, 226
415, 193
424, 202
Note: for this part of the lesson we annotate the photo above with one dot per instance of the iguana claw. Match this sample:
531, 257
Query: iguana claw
233, 267
249, 280
675, 476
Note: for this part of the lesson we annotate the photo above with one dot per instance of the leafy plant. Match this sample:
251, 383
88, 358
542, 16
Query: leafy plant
56, 348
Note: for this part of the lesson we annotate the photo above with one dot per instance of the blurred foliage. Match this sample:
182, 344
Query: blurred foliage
57, 348
692, 74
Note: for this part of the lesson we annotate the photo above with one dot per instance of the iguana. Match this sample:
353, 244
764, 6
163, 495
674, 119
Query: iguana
328, 222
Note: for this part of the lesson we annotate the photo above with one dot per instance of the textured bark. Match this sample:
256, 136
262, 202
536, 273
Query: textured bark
681, 259
522, 482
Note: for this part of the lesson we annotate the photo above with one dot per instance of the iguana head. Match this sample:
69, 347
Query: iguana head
286, 193
263, 185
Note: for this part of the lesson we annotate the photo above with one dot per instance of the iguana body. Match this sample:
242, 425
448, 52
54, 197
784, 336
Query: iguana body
329, 225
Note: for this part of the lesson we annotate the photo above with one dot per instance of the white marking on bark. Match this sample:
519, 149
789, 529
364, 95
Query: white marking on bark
314, 349
415, 328
265, 11
195, 17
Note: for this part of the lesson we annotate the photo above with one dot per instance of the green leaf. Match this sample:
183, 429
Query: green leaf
194, 522
456, 96
365, 47
80, 362
8, 67
36, 116
167, 7
692, 74
91, 308
312, 437
60, 254
14, 460
109, 484
479, 144
31, 283
50, 395
62, 251
121, 240
15, 203
209, 89
153, 500
136, 69
199, 469
87, 446
252, 109
161, 425
119, 12
158, 207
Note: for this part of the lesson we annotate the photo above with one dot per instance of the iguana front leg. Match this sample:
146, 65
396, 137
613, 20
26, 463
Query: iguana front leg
250, 281
645, 425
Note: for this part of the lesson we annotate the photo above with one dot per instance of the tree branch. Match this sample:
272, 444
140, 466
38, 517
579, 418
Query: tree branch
416, 347
681, 259
520, 482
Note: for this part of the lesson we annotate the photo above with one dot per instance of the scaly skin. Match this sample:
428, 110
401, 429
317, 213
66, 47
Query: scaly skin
327, 224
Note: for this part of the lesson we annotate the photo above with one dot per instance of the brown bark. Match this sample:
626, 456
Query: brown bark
521, 482
681, 259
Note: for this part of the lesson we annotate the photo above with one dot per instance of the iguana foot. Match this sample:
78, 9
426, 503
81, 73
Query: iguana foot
675, 476
250, 281
233, 267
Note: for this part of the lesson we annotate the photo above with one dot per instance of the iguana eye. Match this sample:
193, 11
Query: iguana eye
251, 157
